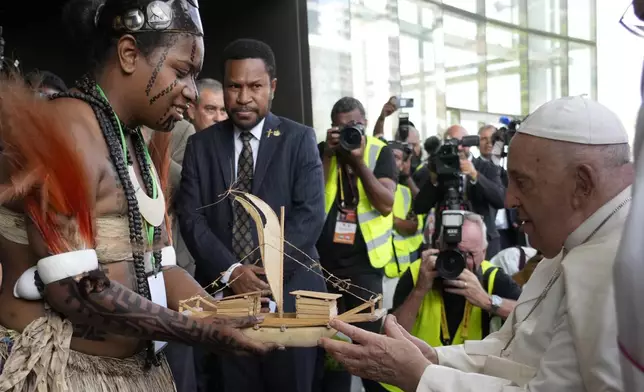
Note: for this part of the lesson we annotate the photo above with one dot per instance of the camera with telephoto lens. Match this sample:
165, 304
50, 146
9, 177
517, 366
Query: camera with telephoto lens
445, 161
450, 261
351, 136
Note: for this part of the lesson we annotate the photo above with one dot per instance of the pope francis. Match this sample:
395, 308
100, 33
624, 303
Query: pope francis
570, 180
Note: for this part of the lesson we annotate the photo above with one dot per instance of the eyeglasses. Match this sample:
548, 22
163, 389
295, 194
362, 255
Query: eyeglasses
631, 22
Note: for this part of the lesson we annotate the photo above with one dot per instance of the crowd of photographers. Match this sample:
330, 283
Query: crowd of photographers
427, 229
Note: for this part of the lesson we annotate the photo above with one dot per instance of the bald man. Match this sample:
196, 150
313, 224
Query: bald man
484, 190
570, 179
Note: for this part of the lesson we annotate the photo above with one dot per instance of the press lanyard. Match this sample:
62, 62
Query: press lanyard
447, 339
148, 228
342, 201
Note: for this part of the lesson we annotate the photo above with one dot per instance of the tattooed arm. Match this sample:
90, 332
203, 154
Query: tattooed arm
116, 309
93, 300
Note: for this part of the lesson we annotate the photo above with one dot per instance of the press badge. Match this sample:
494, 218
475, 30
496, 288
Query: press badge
345, 227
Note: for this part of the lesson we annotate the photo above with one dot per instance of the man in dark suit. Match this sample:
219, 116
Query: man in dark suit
483, 190
275, 159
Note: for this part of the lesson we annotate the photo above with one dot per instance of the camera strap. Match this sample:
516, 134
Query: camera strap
346, 224
446, 338
343, 203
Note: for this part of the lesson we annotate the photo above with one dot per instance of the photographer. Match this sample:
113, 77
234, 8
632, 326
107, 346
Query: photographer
408, 228
360, 181
406, 134
480, 188
467, 303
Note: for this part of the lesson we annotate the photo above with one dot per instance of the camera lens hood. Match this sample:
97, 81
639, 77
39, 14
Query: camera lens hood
450, 264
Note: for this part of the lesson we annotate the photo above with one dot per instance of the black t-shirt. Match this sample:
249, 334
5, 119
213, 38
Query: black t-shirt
346, 260
504, 287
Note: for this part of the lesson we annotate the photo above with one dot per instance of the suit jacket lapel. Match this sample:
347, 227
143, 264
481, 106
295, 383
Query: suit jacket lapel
225, 147
267, 146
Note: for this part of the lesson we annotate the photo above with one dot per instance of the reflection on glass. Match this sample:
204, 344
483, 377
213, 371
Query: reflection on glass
545, 56
373, 49
503, 72
461, 63
503, 10
463, 92
330, 57
580, 71
409, 57
456, 25
581, 19
545, 15
467, 5
429, 127
408, 11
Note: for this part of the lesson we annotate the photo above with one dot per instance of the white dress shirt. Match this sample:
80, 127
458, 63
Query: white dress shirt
254, 143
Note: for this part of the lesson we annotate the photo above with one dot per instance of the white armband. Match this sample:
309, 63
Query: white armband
53, 269
66, 265
226, 277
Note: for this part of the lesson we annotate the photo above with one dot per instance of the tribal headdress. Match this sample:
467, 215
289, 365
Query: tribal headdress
172, 16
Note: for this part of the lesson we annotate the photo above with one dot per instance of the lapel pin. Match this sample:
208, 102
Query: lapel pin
273, 133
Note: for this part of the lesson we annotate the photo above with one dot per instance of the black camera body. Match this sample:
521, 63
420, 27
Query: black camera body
450, 261
403, 127
351, 136
445, 161
502, 137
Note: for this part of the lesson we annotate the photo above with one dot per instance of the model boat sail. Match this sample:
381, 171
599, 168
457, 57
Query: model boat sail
313, 311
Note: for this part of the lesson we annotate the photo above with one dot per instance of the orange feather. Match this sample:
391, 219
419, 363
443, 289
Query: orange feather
46, 168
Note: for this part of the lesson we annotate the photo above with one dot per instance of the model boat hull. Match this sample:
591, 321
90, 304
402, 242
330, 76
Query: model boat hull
290, 337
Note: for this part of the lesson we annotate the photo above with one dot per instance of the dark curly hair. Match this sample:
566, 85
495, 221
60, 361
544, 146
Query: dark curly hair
243, 49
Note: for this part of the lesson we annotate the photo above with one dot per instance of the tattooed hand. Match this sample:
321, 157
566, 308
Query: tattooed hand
233, 340
116, 309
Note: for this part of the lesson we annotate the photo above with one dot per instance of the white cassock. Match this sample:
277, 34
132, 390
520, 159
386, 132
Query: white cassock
565, 339
629, 276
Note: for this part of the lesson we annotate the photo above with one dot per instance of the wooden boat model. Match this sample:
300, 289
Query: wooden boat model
313, 311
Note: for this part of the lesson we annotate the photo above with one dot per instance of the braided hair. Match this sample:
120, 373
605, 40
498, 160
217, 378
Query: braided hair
108, 122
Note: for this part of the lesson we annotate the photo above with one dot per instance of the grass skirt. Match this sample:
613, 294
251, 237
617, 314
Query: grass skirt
39, 360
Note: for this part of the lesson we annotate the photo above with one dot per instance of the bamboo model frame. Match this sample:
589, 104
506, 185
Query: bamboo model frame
300, 329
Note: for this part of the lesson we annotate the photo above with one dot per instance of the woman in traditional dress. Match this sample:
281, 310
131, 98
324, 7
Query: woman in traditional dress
90, 283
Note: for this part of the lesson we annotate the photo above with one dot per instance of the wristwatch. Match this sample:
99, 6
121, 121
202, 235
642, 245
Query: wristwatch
495, 303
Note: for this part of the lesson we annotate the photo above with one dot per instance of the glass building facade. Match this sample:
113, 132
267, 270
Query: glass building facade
462, 61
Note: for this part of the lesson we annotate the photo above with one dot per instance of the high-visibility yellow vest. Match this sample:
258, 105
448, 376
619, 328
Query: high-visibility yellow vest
376, 229
406, 247
428, 319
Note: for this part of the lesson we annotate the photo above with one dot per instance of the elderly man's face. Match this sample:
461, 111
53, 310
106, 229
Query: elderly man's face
472, 244
485, 144
541, 189
209, 109
414, 140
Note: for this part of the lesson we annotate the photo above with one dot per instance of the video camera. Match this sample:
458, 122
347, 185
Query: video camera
446, 163
502, 137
